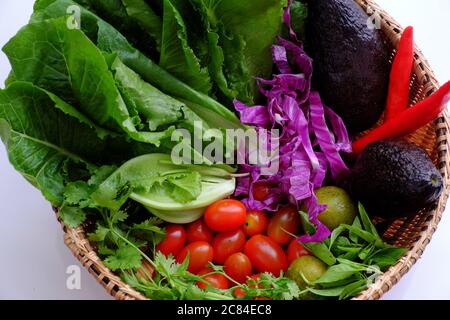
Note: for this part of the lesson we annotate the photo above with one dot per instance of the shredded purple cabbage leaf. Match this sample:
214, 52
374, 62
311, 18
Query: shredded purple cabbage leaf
310, 141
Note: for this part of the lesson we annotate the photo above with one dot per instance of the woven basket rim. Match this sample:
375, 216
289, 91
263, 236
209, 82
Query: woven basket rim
76, 240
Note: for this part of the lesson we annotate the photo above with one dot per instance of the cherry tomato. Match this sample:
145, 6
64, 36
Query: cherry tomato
174, 241
296, 250
287, 218
266, 255
225, 215
255, 223
227, 243
200, 254
261, 190
238, 267
239, 293
218, 281
198, 231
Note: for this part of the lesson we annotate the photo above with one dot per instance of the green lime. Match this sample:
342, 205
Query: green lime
340, 207
306, 267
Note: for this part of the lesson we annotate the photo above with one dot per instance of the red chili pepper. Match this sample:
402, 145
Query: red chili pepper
400, 77
409, 120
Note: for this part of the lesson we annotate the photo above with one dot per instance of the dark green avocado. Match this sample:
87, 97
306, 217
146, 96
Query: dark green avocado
351, 69
395, 178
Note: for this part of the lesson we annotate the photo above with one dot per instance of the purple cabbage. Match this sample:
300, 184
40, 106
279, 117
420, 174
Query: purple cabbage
312, 137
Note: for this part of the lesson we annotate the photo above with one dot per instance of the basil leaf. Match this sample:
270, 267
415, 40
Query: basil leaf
356, 224
321, 251
364, 235
387, 256
351, 253
366, 252
329, 292
353, 289
368, 225
338, 272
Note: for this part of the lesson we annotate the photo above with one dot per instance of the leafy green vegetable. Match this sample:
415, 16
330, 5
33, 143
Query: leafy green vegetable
66, 62
125, 257
157, 108
144, 15
356, 255
166, 189
72, 216
43, 134
116, 12
108, 39
386, 257
176, 55
299, 14
321, 251
240, 34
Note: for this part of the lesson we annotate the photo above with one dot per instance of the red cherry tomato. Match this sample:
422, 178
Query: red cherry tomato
227, 243
266, 255
261, 191
287, 218
218, 281
238, 267
296, 250
198, 231
174, 241
255, 223
200, 254
239, 293
225, 215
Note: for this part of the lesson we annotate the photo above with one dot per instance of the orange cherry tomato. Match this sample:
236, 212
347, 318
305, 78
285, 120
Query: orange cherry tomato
255, 223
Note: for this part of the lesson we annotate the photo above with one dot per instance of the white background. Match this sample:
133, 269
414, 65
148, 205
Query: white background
34, 259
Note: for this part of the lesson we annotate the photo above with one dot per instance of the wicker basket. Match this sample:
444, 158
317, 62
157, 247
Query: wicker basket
413, 233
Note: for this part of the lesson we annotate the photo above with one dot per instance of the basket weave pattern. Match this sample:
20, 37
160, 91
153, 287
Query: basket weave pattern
413, 233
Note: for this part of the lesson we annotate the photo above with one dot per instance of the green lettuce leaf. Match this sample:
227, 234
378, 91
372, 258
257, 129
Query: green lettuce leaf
177, 57
110, 40
240, 37
154, 107
65, 61
41, 139
144, 15
116, 13
154, 178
